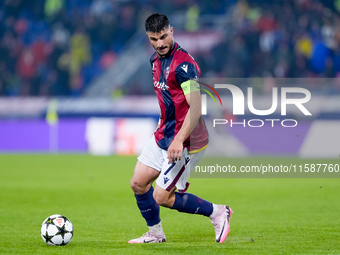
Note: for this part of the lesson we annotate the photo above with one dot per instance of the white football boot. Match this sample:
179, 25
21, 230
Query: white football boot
150, 237
221, 222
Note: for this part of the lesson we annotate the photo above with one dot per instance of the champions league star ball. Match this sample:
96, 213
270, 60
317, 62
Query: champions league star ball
57, 230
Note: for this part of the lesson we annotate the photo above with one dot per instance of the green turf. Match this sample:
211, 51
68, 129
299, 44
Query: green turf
272, 216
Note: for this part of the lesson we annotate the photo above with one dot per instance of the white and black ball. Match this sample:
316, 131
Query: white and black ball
57, 230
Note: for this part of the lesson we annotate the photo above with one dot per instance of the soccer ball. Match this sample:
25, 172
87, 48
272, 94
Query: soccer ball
57, 230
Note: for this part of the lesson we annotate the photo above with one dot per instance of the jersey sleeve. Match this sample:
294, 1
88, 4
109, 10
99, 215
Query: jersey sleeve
186, 76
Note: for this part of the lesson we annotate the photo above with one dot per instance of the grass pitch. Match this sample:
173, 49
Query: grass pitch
272, 216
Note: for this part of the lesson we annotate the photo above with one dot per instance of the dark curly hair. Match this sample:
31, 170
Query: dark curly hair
156, 22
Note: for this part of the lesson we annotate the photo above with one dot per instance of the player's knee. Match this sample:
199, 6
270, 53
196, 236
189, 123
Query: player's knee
137, 186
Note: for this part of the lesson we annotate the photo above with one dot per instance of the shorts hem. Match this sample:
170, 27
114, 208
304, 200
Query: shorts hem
186, 188
148, 164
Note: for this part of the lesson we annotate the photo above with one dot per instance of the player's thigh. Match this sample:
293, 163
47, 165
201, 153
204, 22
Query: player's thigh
148, 167
143, 177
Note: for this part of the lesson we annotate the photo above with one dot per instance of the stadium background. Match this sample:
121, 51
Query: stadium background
75, 76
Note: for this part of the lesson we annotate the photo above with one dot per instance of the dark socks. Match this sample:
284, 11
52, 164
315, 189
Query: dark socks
148, 207
189, 203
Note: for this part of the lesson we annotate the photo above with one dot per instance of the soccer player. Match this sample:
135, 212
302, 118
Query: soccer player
178, 142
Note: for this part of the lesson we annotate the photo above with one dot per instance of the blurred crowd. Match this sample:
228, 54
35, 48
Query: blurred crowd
57, 47
279, 38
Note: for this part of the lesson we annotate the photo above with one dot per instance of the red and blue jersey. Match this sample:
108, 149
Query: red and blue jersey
168, 75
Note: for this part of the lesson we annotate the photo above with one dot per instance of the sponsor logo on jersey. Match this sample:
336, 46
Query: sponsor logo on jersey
160, 85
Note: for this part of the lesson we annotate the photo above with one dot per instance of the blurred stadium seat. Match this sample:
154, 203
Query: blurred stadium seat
60, 48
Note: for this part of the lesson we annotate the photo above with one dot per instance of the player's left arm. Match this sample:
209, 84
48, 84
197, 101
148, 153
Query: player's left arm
186, 75
193, 99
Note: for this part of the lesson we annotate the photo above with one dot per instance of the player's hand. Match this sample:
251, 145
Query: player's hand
175, 151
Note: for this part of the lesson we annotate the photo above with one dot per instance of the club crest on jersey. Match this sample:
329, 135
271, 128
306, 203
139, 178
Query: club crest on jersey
166, 72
